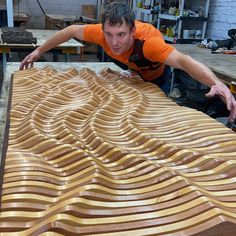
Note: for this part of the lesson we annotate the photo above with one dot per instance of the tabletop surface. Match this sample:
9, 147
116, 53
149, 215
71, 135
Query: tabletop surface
69, 18
62, 17
221, 63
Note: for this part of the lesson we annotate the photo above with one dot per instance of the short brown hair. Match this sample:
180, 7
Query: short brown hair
118, 13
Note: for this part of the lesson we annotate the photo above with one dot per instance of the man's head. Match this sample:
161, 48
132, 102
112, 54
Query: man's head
118, 24
118, 14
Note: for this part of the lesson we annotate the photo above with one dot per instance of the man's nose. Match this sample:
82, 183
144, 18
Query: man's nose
114, 41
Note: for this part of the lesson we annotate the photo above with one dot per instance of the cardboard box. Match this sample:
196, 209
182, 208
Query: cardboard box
88, 11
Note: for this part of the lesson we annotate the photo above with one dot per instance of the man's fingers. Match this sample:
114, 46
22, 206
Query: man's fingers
229, 102
212, 92
232, 115
126, 73
27, 62
226, 96
22, 65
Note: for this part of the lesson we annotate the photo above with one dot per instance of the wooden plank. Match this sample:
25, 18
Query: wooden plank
61, 17
56, 21
21, 17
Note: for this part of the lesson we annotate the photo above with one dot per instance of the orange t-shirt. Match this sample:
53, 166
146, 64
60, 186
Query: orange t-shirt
147, 55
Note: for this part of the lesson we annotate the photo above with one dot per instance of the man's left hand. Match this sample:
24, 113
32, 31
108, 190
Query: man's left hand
128, 73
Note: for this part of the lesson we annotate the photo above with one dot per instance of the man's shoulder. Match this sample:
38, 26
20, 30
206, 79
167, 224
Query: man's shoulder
94, 26
93, 33
146, 30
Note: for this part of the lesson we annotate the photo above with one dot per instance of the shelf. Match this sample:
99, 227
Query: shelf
144, 15
190, 18
168, 17
187, 41
142, 10
169, 39
182, 22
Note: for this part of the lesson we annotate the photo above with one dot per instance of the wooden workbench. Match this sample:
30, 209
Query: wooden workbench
20, 19
70, 47
43, 35
11, 67
223, 65
55, 21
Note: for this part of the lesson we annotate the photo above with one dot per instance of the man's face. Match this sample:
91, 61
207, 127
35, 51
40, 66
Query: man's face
119, 37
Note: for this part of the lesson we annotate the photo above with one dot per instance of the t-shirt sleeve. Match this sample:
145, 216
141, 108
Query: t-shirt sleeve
93, 33
155, 49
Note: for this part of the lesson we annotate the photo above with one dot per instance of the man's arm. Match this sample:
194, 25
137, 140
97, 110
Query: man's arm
73, 31
204, 75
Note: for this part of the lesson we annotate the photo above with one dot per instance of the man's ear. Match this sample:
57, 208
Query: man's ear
133, 30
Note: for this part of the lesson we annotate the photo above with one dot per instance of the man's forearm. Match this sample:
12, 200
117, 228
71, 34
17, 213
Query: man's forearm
57, 39
194, 68
201, 73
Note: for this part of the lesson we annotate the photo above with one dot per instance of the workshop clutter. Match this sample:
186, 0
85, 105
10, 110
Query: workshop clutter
170, 31
17, 35
192, 34
183, 20
145, 4
88, 11
173, 9
232, 33
222, 45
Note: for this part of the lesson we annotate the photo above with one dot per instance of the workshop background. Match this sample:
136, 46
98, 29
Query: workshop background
222, 13
85, 151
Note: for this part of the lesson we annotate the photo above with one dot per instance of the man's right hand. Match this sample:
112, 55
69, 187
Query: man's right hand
30, 59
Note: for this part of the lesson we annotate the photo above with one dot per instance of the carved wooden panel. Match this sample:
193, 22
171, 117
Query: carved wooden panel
106, 155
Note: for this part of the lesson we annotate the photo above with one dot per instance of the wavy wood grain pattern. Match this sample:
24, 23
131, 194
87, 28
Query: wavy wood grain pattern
100, 154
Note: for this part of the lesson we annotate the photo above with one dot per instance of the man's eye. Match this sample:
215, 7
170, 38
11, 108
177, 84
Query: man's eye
121, 34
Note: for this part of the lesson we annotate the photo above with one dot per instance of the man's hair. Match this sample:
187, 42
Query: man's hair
118, 13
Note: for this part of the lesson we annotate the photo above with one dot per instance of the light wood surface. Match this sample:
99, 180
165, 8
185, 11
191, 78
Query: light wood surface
11, 67
61, 17
99, 154
56, 21
43, 35
222, 64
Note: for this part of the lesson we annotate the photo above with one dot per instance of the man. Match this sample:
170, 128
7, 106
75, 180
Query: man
141, 47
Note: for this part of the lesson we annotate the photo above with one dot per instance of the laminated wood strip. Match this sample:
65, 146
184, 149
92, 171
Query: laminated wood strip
98, 154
